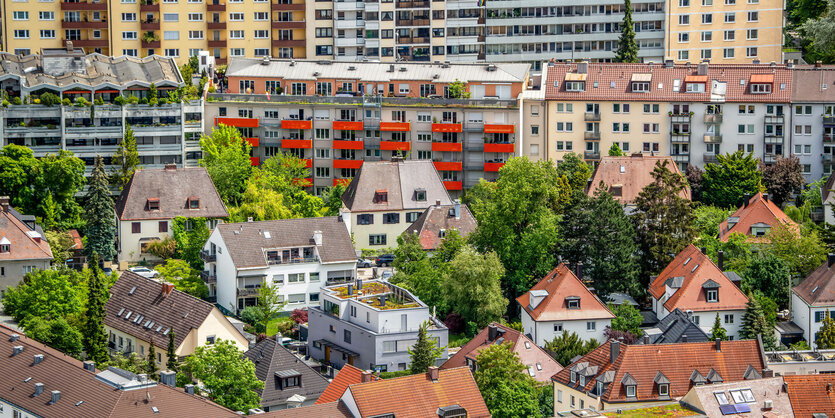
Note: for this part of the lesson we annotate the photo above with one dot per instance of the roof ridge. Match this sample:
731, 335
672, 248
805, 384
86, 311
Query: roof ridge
25, 230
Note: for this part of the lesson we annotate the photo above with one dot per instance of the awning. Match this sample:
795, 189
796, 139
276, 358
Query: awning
337, 347
762, 78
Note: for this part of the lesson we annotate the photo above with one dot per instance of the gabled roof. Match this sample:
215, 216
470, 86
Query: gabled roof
812, 84
399, 180
703, 399
247, 241
22, 240
418, 396
818, 288
173, 187
674, 327
630, 175
560, 284
82, 393
811, 394
696, 269
678, 363
133, 296
272, 359
435, 218
347, 376
757, 212
542, 365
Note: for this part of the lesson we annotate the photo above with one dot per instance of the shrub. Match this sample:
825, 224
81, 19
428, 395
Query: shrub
212, 89
16, 101
120, 100
299, 316
455, 323
163, 101
252, 315
66, 102
99, 101
49, 99
81, 102
133, 100
5, 103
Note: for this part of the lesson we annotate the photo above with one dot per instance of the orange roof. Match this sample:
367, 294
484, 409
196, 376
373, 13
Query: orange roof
346, 376
644, 364
24, 242
762, 78
631, 173
695, 79
418, 396
758, 209
689, 271
535, 358
809, 395
561, 283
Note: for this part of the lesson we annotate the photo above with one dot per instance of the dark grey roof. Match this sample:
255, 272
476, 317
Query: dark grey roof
607, 377
733, 276
399, 179
697, 377
429, 224
674, 326
675, 282
579, 366
628, 379
618, 298
751, 373
710, 284
661, 379
174, 188
714, 377
247, 241
273, 360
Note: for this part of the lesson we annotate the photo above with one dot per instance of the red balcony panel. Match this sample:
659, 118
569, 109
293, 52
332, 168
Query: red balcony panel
83, 6
308, 162
289, 43
96, 24
216, 25
149, 7
216, 7
219, 43
345, 182
454, 185
152, 44
448, 166
446, 146
88, 43
297, 143
498, 147
337, 144
255, 161
447, 127
347, 125
395, 146
347, 163
395, 126
149, 25
287, 24
499, 129
287, 7
296, 124
252, 141
493, 167
238, 122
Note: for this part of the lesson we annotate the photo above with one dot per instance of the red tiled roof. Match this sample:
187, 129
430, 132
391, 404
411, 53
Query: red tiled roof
762, 78
561, 283
675, 361
695, 268
22, 246
317, 410
529, 353
611, 81
757, 210
429, 224
631, 173
809, 394
418, 396
818, 288
346, 376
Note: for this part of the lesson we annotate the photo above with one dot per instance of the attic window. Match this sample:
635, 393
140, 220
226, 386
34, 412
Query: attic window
153, 203
712, 295
575, 86
288, 379
664, 389
452, 411
4, 248
760, 88
616, 190
631, 391
381, 196
442, 233
572, 302
194, 202
420, 195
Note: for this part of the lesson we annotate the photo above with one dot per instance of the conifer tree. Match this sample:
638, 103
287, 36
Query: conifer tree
172, 356
152, 361
825, 338
95, 338
424, 352
718, 331
627, 46
126, 159
754, 324
100, 216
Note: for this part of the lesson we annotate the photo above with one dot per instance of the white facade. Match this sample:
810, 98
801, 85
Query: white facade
731, 319
132, 244
542, 332
809, 318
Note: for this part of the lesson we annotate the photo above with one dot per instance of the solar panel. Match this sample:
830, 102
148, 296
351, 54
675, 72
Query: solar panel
727, 409
742, 407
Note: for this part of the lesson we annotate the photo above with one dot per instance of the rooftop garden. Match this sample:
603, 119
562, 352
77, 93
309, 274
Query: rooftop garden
368, 289
669, 411
372, 293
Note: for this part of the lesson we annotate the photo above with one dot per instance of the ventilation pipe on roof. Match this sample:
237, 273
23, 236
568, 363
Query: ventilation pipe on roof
14, 337
830, 260
350, 289
37, 359
580, 271
190, 389
684, 338
17, 350
704, 250
89, 366
457, 209
583, 67
818, 64
38, 389
745, 198
56, 396
765, 197
492, 332
614, 351
167, 288
359, 284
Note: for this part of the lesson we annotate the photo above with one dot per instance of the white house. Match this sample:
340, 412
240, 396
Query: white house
812, 298
559, 303
696, 286
297, 255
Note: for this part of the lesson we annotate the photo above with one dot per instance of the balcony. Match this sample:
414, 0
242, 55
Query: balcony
680, 117
828, 138
447, 127
412, 4
395, 146
217, 43
87, 43
591, 155
293, 260
343, 144
216, 25
676, 136
149, 6
774, 119
770, 158
395, 126
83, 6
503, 148
446, 146
238, 122
829, 120
208, 277
493, 167
710, 159
284, 43
713, 139
281, 7
826, 158
773, 138
347, 163
216, 6
295, 24
347, 125
592, 117
151, 44
296, 124
448, 165
96, 24
591, 136
713, 118
149, 25
248, 291
413, 40
297, 143
454, 185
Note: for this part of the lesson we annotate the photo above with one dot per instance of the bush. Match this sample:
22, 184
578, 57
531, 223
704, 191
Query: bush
99, 101
66, 102
455, 323
163, 101
16, 101
5, 103
212, 89
153, 102
49, 99
252, 316
134, 100
81, 102
391, 375
299, 316
120, 100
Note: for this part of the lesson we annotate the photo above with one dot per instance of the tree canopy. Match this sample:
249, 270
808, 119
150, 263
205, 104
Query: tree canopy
126, 159
507, 388
190, 234
575, 170
783, 178
44, 293
184, 278
100, 215
226, 158
627, 318
754, 324
227, 376
770, 275
569, 345
424, 352
627, 46
725, 183
473, 287
803, 254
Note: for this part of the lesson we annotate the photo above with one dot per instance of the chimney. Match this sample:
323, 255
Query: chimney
17, 350
37, 359
583, 67
580, 271
684, 338
317, 238
765, 197
190, 389
745, 198
646, 339
492, 332
366, 376
4, 203
768, 372
170, 167
14, 337
704, 250
702, 69
818, 64
438, 202
457, 209
89, 366
69, 46
167, 288
56, 396
38, 389
721, 260
719, 344
614, 351
350, 289
249, 219
168, 378
432, 372
830, 260
359, 284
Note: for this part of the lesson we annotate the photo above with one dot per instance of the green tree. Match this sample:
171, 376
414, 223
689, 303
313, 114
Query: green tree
285, 173
451, 245
60, 242
754, 324
184, 277
333, 199
802, 254
718, 331
424, 352
95, 337
627, 46
268, 301
46, 294
473, 287
100, 215
165, 248
414, 271
800, 11
458, 90
615, 151
228, 377
663, 220
507, 388
769, 275
707, 219
569, 345
825, 337
190, 234
627, 318
597, 233
226, 158
126, 159
133, 363
725, 183
820, 30
151, 367
172, 363
783, 178
56, 333
260, 204
576, 171
253, 316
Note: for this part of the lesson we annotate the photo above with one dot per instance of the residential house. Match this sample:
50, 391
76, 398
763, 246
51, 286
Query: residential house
371, 325
540, 365
23, 246
755, 219
625, 177
44, 382
152, 199
432, 225
812, 298
677, 327
761, 398
616, 375
288, 381
346, 376
298, 256
386, 197
559, 303
333, 409
697, 287
78, 258
812, 396
143, 311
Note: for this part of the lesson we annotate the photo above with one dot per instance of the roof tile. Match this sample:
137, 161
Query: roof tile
561, 283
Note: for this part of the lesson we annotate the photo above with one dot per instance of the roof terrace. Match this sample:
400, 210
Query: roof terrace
376, 294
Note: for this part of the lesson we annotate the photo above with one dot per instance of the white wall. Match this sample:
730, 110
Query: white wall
129, 244
392, 231
706, 320
543, 331
804, 316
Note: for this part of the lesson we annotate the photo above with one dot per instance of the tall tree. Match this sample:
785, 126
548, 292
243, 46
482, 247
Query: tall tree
802, 254
597, 233
56, 333
226, 158
627, 318
783, 178
825, 337
190, 234
615, 151
507, 388
184, 277
151, 367
694, 179
268, 301
416, 273
45, 294
126, 159
821, 31
627, 46
60, 242
769, 275
424, 352
95, 337
707, 219
473, 287
228, 377
100, 215
172, 364
718, 331
575, 170
569, 345
663, 220
725, 183
754, 324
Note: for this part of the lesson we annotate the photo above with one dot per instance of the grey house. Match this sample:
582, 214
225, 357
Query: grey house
677, 327
370, 325
288, 381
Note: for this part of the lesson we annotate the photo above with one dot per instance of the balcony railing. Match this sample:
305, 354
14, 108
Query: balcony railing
827, 158
713, 118
208, 276
208, 256
592, 117
829, 120
248, 291
591, 155
774, 119
593, 136
713, 139
710, 159
293, 260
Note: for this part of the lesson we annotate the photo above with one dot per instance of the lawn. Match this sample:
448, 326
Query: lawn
458, 340
272, 326
668, 411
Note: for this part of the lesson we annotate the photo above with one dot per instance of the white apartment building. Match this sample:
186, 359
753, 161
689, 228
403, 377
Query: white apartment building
812, 299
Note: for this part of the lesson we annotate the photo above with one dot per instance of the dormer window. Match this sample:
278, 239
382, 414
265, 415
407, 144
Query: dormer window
641, 82
381, 196
5, 248
631, 391
712, 295
153, 203
575, 86
640, 87
288, 379
599, 388
695, 83
420, 195
664, 389
760, 88
572, 302
573, 377
194, 202
442, 233
760, 229
761, 83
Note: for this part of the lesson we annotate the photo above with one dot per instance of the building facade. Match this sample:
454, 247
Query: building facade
23, 246
812, 299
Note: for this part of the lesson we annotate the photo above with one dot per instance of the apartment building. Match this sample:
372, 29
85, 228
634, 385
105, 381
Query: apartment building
336, 115
165, 134
724, 31
370, 325
812, 115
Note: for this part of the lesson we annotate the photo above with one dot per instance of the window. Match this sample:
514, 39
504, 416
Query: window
557, 327
752, 34
591, 326
819, 315
753, 16
195, 17
21, 34
630, 391
195, 34
170, 17
262, 34
171, 35
758, 88
730, 35
128, 35
296, 298
261, 16
730, 17
136, 227
664, 389
575, 86
210, 339
534, 130
707, 18
728, 53
707, 36
751, 52
684, 20
47, 34
379, 239
347, 336
391, 218
46, 15
729, 318
365, 219
172, 52
236, 17
20, 15
712, 295
573, 303
683, 37
654, 108
682, 56
323, 172
130, 52
295, 278
128, 17
706, 54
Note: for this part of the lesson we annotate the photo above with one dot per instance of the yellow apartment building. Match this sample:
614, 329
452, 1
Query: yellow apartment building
171, 28
724, 31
